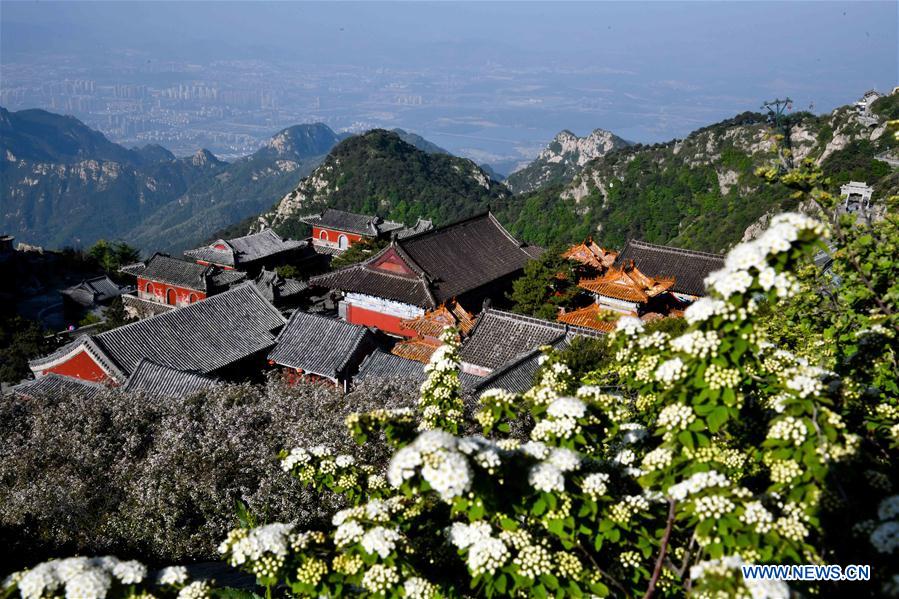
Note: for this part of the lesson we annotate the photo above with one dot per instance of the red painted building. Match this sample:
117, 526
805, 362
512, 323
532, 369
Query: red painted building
251, 253
166, 280
468, 261
204, 337
339, 230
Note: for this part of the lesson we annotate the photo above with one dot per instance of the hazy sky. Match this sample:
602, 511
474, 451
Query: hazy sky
682, 64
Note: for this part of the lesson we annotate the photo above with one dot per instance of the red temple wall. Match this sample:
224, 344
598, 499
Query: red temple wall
80, 366
332, 236
161, 290
383, 322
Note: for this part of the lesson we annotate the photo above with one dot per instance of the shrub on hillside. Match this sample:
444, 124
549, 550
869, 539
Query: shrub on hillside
160, 477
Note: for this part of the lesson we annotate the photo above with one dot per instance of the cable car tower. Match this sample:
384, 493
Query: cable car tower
776, 108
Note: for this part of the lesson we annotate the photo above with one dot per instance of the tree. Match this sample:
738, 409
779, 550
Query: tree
110, 256
20, 341
547, 284
359, 251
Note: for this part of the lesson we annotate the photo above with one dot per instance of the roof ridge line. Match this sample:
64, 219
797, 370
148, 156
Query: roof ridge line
670, 248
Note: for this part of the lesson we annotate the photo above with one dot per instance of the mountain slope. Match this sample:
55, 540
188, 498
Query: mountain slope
245, 187
379, 173
62, 183
561, 160
700, 192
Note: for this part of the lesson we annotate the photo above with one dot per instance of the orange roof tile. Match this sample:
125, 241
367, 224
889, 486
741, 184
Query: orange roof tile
589, 253
432, 323
627, 283
593, 316
417, 349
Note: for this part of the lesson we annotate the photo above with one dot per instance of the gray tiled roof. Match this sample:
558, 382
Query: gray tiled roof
203, 336
93, 291
350, 222
689, 268
320, 345
242, 250
57, 386
517, 376
448, 261
274, 287
383, 366
500, 337
158, 380
420, 226
170, 270
133, 269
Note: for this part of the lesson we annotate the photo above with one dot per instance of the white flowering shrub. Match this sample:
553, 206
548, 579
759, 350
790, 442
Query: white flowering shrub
102, 577
696, 450
715, 449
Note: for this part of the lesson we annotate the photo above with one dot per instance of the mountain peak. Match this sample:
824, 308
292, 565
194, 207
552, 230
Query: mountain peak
204, 157
562, 158
302, 141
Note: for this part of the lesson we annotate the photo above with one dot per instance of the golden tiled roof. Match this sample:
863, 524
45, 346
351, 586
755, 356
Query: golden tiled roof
418, 349
593, 316
589, 253
432, 323
628, 284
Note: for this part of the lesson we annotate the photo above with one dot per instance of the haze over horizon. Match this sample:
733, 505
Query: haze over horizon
490, 81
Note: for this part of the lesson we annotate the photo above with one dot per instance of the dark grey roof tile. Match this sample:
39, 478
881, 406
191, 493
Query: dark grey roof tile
320, 345
689, 268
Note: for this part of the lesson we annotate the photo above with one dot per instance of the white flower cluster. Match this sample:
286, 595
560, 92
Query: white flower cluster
806, 384
297, 455
627, 507
670, 371
736, 276
562, 418
419, 588
713, 507
885, 537
675, 417
243, 546
198, 589
783, 471
485, 552
380, 578
172, 575
789, 428
705, 308
499, 397
80, 577
657, 459
699, 344
725, 568
755, 515
697, 482
381, 541
719, 377
534, 561
546, 477
595, 485
442, 465
629, 325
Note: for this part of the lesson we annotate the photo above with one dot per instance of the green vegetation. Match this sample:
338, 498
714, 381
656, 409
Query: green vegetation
111, 256
701, 192
20, 340
359, 251
379, 173
547, 284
